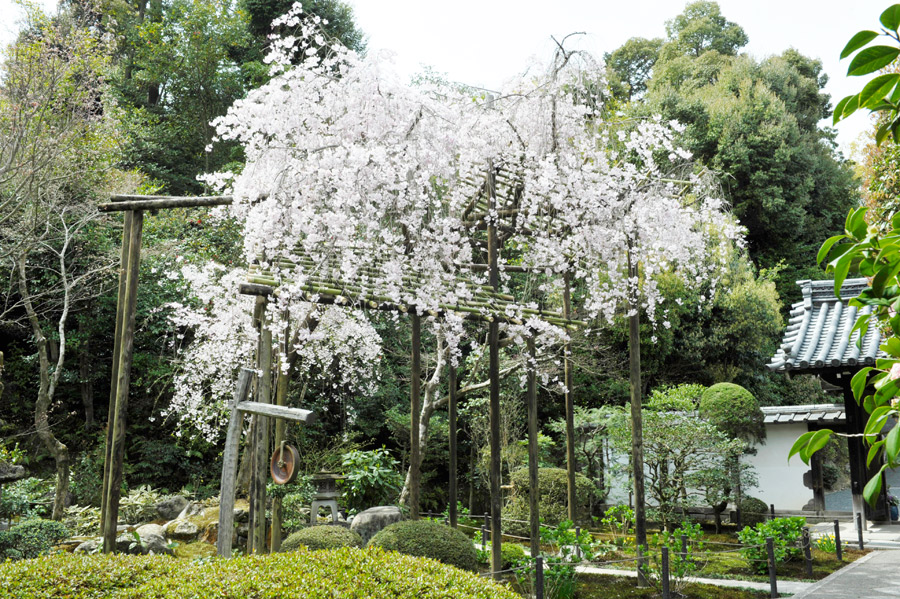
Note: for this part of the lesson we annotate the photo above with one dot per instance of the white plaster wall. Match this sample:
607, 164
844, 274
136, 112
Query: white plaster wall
780, 481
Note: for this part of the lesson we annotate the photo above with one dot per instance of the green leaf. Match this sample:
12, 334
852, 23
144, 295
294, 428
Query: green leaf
873, 451
881, 133
858, 382
856, 222
869, 403
883, 277
876, 420
826, 247
851, 106
876, 89
872, 59
892, 444
839, 109
841, 269
857, 41
799, 445
817, 442
890, 18
895, 221
873, 488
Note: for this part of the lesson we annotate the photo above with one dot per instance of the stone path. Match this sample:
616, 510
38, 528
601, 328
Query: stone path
872, 576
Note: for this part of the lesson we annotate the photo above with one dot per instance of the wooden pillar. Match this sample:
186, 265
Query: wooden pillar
117, 423
817, 482
415, 412
229, 466
570, 406
454, 475
281, 389
128, 220
637, 434
534, 491
259, 462
494, 375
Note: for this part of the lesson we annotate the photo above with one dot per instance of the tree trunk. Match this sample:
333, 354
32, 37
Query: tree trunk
85, 380
47, 387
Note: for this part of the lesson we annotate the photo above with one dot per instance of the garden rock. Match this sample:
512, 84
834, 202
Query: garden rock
369, 522
126, 543
170, 507
156, 544
183, 530
150, 529
191, 509
91, 546
10, 473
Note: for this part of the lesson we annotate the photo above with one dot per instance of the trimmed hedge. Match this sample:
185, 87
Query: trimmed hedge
425, 538
322, 537
753, 511
347, 572
31, 538
554, 503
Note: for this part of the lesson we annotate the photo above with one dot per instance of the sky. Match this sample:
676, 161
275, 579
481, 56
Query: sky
486, 42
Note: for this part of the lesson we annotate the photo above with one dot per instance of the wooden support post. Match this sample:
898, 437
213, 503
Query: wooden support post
773, 578
281, 389
534, 491
637, 434
123, 378
114, 376
229, 466
415, 413
259, 462
454, 474
838, 549
494, 375
570, 406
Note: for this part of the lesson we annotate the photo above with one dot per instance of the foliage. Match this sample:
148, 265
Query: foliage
734, 411
31, 539
83, 520
864, 249
342, 572
511, 554
322, 537
294, 496
372, 478
425, 538
682, 566
553, 506
87, 477
620, 521
785, 533
25, 498
702, 28
753, 511
676, 398
881, 94
826, 543
139, 505
559, 548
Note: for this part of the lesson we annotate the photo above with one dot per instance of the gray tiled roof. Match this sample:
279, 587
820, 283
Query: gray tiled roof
818, 332
825, 413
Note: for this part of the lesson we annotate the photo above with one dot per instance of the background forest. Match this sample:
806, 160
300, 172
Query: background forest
118, 96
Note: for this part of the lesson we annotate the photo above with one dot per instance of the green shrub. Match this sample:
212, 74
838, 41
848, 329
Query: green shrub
31, 539
372, 479
734, 411
554, 503
347, 572
785, 533
424, 538
753, 511
322, 537
511, 554
26, 499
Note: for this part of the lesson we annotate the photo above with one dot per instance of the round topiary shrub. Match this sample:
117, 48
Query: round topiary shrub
424, 538
322, 537
348, 572
511, 554
31, 538
753, 511
734, 411
554, 502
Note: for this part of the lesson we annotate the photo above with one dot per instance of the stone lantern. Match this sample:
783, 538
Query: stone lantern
326, 495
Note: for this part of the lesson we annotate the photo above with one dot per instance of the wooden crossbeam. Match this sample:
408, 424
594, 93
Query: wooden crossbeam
123, 203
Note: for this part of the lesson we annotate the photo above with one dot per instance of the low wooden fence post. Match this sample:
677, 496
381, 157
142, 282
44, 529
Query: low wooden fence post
837, 541
539, 577
773, 581
807, 552
859, 531
665, 573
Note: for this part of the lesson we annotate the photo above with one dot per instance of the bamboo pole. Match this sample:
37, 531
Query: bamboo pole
637, 435
256, 541
229, 466
114, 377
123, 203
534, 491
494, 373
415, 408
452, 417
123, 379
570, 406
